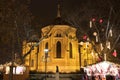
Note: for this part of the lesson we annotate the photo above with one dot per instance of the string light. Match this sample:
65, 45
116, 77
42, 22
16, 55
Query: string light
114, 53
100, 21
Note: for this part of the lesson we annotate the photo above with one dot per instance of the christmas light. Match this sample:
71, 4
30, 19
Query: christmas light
114, 53
110, 32
93, 19
101, 46
85, 37
100, 21
90, 24
108, 44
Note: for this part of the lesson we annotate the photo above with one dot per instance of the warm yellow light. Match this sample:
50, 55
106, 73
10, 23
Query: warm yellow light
81, 43
95, 33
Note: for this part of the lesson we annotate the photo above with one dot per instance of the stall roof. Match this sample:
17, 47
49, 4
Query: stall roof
104, 67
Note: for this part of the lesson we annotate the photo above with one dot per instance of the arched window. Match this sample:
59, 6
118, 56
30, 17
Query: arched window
70, 50
46, 50
58, 50
58, 35
32, 63
46, 45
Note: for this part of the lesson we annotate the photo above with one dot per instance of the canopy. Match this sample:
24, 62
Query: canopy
17, 69
103, 68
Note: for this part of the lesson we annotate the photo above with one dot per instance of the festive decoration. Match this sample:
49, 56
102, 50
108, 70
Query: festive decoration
103, 68
100, 21
114, 53
108, 44
101, 46
85, 37
93, 19
90, 24
110, 32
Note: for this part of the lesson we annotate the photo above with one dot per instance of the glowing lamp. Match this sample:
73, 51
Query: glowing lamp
85, 37
46, 52
114, 53
100, 21
95, 33
93, 19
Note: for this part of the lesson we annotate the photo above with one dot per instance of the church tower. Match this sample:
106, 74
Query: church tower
58, 46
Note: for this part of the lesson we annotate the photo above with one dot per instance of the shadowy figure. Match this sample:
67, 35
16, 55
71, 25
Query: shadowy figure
57, 69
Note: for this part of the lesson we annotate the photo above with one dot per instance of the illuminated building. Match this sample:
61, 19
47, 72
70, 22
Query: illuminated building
63, 49
88, 55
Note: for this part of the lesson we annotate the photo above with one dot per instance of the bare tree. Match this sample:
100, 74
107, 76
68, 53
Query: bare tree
105, 24
15, 21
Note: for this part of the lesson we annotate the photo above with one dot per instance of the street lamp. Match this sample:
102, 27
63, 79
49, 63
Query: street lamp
46, 56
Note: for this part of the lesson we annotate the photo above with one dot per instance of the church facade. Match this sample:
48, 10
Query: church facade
62, 50
57, 47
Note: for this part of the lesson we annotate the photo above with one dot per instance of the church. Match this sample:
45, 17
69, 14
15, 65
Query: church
57, 47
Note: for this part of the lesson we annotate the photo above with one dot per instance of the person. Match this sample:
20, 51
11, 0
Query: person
85, 77
57, 69
57, 73
109, 77
1, 75
117, 77
99, 77
93, 77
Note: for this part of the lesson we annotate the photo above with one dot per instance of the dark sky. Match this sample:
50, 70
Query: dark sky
46, 10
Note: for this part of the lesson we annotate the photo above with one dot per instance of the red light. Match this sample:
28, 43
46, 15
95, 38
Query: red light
85, 37
93, 19
100, 20
114, 53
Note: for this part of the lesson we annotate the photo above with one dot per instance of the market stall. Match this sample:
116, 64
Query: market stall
103, 69
19, 72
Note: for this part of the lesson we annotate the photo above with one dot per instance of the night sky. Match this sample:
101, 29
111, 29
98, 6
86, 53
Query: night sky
46, 10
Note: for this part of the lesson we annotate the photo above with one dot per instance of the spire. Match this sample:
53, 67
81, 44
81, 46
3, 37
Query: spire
58, 12
59, 20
